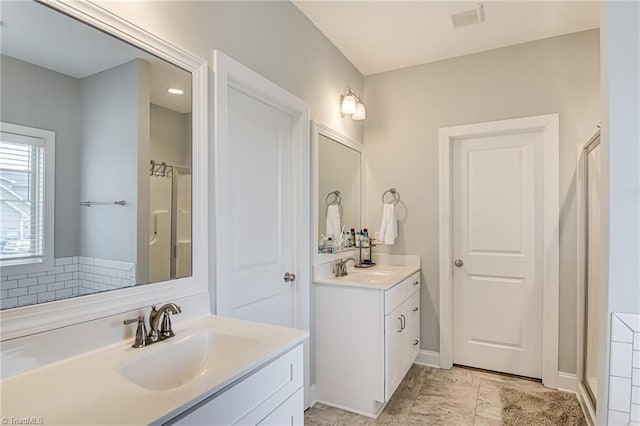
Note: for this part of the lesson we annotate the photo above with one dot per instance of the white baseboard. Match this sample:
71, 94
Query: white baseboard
567, 382
428, 358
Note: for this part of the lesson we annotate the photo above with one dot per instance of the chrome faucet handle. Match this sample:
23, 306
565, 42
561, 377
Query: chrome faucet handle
165, 330
153, 319
141, 331
156, 332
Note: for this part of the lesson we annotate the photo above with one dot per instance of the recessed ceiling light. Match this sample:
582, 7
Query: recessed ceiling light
175, 91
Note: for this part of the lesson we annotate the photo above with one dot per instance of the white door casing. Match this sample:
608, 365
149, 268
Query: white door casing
497, 298
547, 127
262, 198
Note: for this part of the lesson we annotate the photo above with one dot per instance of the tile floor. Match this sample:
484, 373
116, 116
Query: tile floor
431, 396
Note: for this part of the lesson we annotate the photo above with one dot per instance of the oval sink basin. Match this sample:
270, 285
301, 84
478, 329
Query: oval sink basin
176, 362
368, 277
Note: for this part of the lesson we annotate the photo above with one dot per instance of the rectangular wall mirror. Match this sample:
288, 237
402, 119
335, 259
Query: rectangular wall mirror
338, 162
95, 161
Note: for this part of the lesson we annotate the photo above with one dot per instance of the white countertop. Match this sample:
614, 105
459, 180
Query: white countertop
379, 277
88, 389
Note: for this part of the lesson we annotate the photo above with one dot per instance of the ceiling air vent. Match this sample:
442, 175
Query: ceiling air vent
468, 17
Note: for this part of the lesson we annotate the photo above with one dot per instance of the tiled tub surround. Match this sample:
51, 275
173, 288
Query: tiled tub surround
71, 276
624, 370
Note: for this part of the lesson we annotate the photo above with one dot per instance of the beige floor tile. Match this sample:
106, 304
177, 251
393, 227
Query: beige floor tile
433, 396
484, 421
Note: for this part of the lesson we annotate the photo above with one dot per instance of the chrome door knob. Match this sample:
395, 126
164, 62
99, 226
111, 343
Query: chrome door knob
289, 277
458, 263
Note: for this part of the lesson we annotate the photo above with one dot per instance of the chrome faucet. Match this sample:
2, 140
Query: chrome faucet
155, 335
340, 267
154, 318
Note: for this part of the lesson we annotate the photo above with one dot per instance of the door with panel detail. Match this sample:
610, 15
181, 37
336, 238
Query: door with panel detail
258, 233
497, 279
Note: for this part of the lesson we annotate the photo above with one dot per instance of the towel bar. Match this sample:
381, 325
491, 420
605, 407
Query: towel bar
336, 201
394, 192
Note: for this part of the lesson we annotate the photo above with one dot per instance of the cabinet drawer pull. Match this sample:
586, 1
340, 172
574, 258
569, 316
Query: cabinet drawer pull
416, 282
415, 309
415, 342
399, 325
403, 321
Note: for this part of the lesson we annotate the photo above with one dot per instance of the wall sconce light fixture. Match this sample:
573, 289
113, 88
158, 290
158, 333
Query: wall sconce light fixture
351, 104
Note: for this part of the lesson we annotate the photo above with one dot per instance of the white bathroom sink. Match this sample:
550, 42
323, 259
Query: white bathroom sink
368, 276
178, 361
380, 277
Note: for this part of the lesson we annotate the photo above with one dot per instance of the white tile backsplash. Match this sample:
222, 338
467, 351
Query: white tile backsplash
65, 280
619, 394
9, 284
64, 261
621, 359
624, 370
620, 332
635, 412
616, 418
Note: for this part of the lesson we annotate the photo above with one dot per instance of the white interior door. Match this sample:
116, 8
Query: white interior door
262, 163
258, 245
497, 232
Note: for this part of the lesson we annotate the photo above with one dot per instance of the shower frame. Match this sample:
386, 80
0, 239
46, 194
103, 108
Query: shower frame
174, 172
585, 395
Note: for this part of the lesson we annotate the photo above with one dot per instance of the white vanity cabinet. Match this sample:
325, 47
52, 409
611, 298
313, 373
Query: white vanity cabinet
367, 338
272, 395
401, 341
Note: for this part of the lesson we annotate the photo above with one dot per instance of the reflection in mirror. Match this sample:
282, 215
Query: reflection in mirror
338, 193
95, 161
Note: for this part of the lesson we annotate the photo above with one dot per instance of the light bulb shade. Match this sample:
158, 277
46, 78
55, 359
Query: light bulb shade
360, 113
348, 104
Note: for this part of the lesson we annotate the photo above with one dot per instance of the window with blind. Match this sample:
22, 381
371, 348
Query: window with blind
24, 195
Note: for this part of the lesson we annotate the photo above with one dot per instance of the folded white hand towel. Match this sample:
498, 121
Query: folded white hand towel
334, 225
389, 225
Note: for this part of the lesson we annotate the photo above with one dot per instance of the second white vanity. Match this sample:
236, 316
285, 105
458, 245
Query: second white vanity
367, 333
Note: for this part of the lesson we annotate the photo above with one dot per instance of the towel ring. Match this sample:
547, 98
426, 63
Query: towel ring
394, 192
338, 199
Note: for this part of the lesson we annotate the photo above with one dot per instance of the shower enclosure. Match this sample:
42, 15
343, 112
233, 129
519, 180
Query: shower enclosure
589, 172
170, 221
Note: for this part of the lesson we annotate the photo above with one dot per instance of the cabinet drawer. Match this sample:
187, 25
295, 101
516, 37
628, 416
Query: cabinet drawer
399, 293
290, 413
252, 399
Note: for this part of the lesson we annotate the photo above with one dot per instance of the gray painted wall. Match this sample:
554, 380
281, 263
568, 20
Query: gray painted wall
38, 97
405, 109
272, 38
168, 136
113, 113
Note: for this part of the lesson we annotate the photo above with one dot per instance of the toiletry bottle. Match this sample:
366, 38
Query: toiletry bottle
353, 237
365, 237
